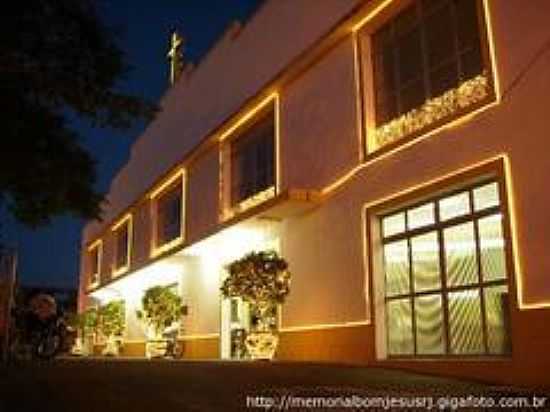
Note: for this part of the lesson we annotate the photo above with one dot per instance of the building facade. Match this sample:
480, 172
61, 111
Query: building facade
392, 151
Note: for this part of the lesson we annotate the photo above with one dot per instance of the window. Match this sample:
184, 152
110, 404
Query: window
446, 289
427, 52
167, 207
95, 251
169, 216
122, 245
253, 160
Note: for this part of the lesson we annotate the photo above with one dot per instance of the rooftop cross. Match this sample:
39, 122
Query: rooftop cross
175, 55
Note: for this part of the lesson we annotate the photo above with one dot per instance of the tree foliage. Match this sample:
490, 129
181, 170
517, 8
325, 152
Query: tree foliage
256, 277
57, 59
160, 308
112, 319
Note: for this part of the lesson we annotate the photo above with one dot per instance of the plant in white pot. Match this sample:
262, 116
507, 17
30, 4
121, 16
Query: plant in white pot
86, 324
262, 279
111, 325
161, 312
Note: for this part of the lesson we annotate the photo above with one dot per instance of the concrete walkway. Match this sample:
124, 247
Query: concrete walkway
155, 386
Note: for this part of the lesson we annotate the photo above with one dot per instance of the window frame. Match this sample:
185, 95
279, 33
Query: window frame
364, 44
94, 278
444, 290
176, 182
228, 141
248, 141
443, 186
125, 222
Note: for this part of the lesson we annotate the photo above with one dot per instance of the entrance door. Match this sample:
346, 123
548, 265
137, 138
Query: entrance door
236, 320
237, 317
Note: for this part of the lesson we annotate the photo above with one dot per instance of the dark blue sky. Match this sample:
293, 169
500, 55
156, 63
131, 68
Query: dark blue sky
49, 256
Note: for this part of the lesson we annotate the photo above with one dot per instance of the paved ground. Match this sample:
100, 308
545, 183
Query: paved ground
155, 386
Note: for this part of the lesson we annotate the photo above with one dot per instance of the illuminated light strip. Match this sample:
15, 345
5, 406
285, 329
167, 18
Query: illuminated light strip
95, 244
492, 51
365, 241
324, 326
359, 112
277, 144
371, 15
179, 174
515, 242
249, 115
200, 336
511, 212
351, 173
127, 217
167, 246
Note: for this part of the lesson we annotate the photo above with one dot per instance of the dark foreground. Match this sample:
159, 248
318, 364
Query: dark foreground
158, 386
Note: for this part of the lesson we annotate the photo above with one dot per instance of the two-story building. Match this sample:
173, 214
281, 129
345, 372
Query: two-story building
393, 151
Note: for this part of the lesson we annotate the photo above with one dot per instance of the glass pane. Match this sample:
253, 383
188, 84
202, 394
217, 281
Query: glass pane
412, 96
443, 78
453, 206
468, 29
122, 246
498, 319
421, 216
465, 322
440, 36
486, 196
394, 224
460, 255
491, 242
410, 56
396, 256
430, 336
400, 336
94, 261
425, 261
472, 63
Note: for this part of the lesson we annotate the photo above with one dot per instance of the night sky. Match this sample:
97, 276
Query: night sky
49, 256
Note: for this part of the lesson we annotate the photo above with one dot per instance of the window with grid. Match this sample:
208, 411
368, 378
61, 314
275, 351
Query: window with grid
429, 48
122, 246
446, 276
253, 160
169, 215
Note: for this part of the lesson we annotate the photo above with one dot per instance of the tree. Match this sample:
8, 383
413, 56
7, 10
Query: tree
57, 59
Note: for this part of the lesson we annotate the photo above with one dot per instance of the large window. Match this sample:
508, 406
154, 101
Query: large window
446, 288
427, 52
168, 220
253, 160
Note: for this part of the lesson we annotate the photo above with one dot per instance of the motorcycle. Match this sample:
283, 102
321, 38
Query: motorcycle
38, 330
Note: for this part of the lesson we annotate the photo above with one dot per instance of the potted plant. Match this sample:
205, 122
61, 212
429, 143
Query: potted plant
262, 279
161, 312
111, 325
86, 326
